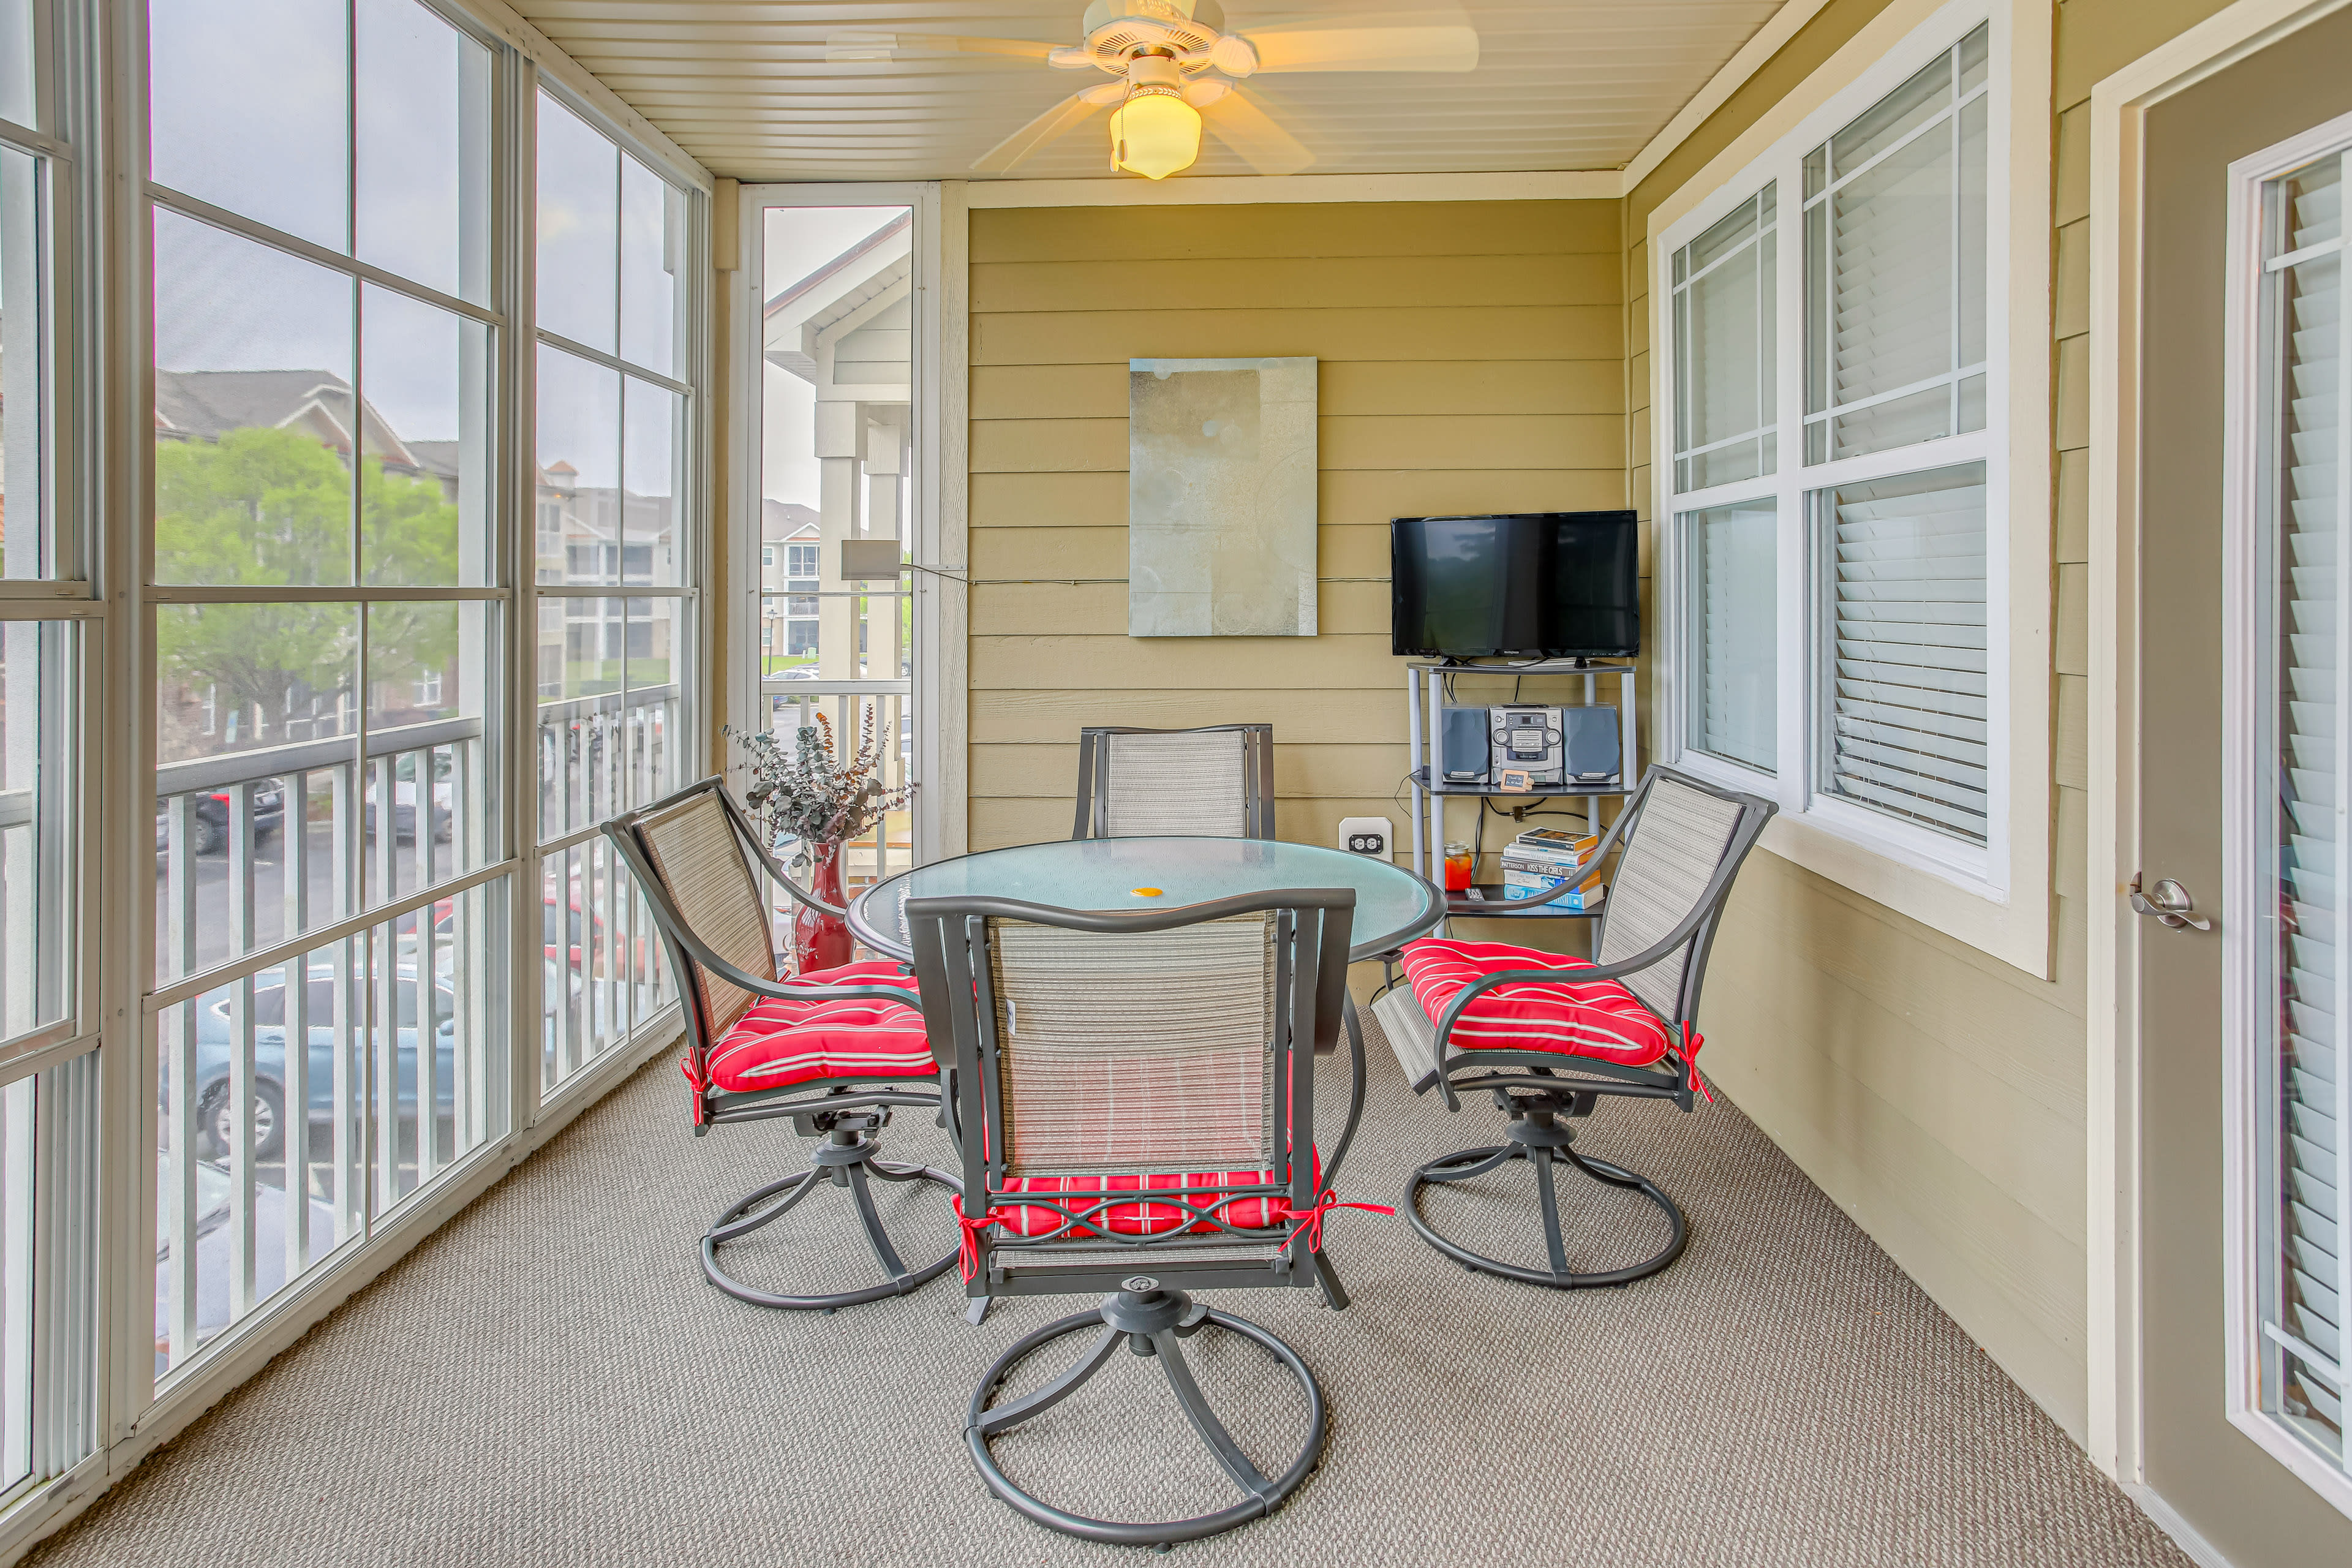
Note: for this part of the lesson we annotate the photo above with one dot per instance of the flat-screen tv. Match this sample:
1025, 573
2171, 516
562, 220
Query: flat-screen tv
1538, 585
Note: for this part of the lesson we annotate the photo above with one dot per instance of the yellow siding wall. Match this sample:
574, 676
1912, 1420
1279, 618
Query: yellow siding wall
1473, 357
1937, 1094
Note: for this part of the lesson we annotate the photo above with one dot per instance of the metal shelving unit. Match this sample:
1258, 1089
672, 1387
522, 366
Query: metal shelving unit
1425, 697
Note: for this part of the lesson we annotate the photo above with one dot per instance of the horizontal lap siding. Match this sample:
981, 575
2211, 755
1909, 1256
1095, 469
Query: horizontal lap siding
1936, 1094
1471, 358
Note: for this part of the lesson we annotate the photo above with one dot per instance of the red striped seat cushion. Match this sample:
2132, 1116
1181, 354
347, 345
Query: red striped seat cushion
1078, 1194
783, 1041
1579, 1019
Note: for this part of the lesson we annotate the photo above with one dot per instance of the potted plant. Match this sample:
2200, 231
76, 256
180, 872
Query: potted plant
812, 803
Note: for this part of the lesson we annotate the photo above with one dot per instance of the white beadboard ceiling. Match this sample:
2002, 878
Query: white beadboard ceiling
743, 85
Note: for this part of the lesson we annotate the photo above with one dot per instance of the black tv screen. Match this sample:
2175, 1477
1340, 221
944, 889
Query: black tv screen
1544, 584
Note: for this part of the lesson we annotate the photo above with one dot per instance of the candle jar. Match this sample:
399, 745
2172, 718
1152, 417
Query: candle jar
1459, 868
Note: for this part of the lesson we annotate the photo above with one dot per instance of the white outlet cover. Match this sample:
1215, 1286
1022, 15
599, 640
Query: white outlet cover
1374, 836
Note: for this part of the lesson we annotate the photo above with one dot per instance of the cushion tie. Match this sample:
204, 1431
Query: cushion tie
968, 1231
691, 1066
1692, 1041
1310, 1221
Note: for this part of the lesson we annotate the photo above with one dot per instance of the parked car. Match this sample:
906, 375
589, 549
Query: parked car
215, 1039
215, 1188
211, 827
404, 799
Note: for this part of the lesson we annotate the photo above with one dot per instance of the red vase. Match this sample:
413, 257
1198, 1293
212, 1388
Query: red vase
821, 940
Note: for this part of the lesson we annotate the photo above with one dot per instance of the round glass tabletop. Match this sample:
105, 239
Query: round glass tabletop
1392, 905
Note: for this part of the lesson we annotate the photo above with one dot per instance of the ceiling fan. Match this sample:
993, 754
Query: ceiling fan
1174, 67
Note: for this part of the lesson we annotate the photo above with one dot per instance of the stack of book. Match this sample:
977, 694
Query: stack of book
1542, 859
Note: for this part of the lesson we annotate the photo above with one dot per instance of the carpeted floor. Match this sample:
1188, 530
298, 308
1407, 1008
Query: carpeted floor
549, 1381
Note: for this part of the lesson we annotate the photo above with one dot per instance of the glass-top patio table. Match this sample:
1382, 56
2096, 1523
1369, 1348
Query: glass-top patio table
1392, 904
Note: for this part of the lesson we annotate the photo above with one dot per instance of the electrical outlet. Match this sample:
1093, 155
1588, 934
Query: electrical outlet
1374, 836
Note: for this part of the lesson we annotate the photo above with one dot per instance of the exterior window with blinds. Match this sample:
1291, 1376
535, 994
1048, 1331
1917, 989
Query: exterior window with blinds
1725, 411
1904, 700
1732, 620
1894, 265
1833, 583
2304, 1272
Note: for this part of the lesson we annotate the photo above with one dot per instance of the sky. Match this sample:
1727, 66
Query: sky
799, 241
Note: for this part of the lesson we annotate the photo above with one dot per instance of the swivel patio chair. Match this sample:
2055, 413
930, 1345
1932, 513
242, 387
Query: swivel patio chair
1212, 783
830, 1049
1138, 1115
1548, 1034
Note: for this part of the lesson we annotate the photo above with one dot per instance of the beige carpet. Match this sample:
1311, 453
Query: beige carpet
549, 1381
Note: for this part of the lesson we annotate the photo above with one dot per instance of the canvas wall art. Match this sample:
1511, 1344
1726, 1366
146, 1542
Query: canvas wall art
1221, 497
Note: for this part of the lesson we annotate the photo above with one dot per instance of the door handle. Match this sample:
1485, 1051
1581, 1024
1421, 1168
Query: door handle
2170, 903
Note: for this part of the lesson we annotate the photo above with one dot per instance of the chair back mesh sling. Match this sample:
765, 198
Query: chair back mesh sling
1136, 1095
831, 1049
1212, 783
1549, 1034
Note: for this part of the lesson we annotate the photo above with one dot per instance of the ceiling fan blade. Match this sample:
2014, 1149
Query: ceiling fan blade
849, 45
1023, 144
1413, 41
1237, 120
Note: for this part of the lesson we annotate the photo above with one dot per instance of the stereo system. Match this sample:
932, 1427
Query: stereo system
1527, 747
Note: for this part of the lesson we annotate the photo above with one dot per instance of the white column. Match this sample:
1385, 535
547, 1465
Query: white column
840, 442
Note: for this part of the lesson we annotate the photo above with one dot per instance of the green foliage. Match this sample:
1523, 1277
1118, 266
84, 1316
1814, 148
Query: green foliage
269, 508
810, 794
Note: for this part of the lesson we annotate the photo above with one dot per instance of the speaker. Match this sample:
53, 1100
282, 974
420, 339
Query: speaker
1589, 748
1462, 747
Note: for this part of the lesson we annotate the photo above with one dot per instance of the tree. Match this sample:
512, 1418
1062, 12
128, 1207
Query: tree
269, 508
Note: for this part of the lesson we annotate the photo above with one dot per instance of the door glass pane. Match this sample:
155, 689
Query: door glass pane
253, 405
838, 348
1895, 244
36, 795
421, 119
25, 549
2304, 1278
1731, 555
1904, 723
250, 109
1724, 403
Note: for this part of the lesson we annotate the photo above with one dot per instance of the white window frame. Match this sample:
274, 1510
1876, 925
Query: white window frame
1994, 896
935, 688
2250, 1090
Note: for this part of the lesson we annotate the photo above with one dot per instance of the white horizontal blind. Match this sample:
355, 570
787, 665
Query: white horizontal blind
1729, 555
1902, 673
2305, 1276
1725, 410
1894, 265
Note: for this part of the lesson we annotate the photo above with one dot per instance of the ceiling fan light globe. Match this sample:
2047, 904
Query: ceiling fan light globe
1155, 134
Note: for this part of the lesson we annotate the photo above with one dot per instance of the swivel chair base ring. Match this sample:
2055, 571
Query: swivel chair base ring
1542, 1155
844, 1161
1153, 1322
